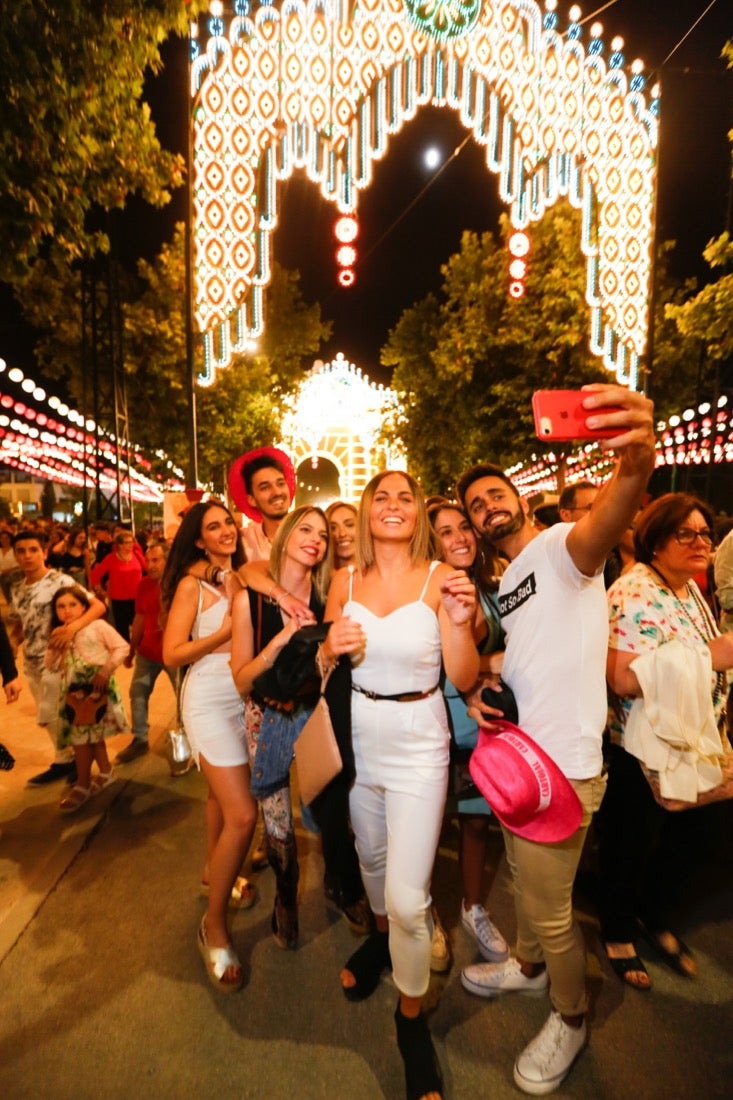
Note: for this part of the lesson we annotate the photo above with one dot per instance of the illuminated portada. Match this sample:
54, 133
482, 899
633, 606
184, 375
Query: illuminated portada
339, 415
321, 86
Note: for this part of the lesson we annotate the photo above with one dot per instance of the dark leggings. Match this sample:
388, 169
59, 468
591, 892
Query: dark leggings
646, 853
123, 612
331, 811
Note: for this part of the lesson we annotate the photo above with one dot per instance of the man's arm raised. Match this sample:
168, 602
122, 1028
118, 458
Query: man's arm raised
594, 536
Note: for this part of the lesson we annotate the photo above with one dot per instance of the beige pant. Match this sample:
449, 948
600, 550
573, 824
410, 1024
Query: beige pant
50, 721
543, 877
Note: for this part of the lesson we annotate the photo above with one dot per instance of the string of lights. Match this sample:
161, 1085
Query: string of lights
42, 435
695, 437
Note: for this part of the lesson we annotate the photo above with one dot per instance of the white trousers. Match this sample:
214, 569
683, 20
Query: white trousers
397, 805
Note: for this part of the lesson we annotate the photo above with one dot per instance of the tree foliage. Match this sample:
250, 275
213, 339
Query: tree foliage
75, 135
240, 410
708, 317
469, 360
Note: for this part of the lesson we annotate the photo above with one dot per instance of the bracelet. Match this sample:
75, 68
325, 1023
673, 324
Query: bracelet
214, 574
276, 600
323, 665
265, 658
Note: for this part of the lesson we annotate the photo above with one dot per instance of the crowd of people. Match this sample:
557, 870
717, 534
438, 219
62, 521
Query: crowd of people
573, 659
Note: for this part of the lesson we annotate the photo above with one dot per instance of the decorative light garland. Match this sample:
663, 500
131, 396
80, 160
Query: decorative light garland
699, 437
323, 85
51, 440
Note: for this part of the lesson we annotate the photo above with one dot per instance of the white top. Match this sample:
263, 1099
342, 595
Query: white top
209, 619
556, 624
672, 727
403, 651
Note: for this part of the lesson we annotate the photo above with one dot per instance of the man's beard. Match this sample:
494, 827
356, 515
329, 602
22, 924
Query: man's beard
501, 531
276, 511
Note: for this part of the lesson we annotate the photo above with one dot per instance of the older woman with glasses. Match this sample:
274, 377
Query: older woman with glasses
645, 850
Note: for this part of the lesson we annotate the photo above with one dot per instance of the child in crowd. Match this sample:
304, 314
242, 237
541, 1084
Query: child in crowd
88, 697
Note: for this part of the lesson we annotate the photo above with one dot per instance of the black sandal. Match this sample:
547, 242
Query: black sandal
623, 968
367, 965
673, 959
422, 1071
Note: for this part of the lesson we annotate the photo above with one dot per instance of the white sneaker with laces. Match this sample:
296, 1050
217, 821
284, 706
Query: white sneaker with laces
545, 1062
491, 943
491, 979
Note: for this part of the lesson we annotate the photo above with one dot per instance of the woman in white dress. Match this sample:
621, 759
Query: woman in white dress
198, 634
399, 614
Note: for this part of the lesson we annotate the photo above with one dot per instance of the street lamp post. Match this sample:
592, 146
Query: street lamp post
193, 471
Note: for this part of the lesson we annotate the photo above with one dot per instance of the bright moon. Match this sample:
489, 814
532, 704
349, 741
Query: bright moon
432, 157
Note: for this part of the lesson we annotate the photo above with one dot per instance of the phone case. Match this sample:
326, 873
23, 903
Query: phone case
559, 415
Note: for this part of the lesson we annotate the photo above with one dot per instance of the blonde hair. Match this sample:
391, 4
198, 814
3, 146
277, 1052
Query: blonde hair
321, 573
421, 543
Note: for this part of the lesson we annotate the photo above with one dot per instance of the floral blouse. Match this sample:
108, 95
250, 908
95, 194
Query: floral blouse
643, 614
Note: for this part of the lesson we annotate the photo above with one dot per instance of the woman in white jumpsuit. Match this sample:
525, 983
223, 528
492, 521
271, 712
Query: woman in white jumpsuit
399, 615
198, 633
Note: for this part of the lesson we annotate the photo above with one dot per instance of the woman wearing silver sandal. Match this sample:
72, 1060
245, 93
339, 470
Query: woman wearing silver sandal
198, 633
398, 615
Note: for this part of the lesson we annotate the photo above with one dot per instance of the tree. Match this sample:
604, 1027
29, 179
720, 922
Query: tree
468, 361
240, 410
708, 317
75, 136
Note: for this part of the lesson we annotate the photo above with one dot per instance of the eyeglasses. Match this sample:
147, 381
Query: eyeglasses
580, 508
686, 536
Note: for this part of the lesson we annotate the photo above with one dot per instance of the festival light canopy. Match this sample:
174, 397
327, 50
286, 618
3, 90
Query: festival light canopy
323, 85
45, 437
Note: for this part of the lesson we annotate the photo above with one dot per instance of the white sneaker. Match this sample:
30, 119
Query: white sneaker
491, 943
546, 1061
440, 958
491, 979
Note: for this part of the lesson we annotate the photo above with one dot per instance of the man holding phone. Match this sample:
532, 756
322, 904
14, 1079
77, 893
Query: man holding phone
553, 607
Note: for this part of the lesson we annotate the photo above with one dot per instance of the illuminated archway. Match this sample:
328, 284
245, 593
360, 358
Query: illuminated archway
322, 85
337, 414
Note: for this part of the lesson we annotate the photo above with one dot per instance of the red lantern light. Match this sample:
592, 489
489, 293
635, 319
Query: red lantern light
519, 245
346, 230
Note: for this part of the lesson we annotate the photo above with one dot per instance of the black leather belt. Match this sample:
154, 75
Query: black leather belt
402, 697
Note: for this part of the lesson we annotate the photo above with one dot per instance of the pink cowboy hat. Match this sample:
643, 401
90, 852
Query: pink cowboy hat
523, 785
237, 490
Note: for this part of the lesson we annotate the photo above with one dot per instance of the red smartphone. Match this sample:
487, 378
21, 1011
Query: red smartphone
559, 415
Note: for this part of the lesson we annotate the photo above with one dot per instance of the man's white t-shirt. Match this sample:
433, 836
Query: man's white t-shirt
556, 623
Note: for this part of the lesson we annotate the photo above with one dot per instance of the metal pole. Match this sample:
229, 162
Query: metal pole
193, 469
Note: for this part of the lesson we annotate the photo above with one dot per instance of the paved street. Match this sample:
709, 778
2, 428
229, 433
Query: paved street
104, 994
